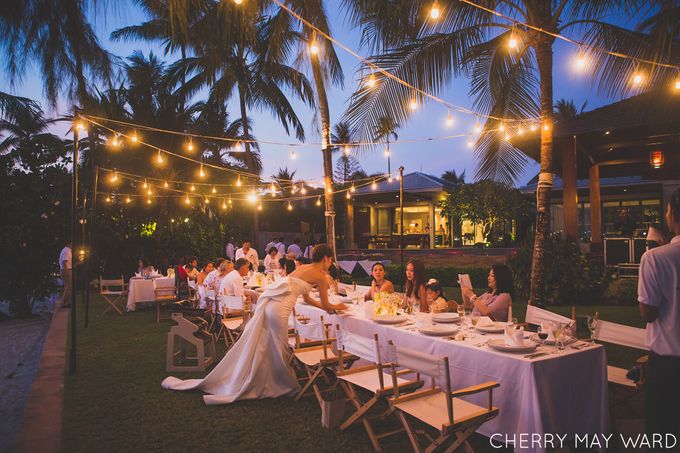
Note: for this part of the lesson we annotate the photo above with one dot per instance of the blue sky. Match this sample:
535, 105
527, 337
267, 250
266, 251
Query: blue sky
433, 157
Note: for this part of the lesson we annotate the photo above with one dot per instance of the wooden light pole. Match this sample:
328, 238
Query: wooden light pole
74, 223
401, 224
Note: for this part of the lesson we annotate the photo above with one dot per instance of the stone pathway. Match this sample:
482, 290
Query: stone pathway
21, 343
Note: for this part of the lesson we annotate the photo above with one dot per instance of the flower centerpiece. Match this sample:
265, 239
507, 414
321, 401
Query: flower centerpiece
386, 304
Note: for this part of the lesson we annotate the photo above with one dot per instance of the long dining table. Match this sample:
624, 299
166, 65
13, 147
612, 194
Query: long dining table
562, 393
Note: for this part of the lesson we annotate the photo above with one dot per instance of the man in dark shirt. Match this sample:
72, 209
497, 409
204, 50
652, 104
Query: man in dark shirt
624, 223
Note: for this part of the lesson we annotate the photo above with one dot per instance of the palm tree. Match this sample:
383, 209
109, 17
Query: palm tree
347, 165
385, 129
505, 81
566, 110
453, 177
284, 179
56, 36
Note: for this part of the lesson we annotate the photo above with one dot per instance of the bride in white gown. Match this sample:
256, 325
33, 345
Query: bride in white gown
257, 365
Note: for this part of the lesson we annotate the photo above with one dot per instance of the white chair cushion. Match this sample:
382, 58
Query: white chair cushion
431, 409
232, 323
313, 356
369, 380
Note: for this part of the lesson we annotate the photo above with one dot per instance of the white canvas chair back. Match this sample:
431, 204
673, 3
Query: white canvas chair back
201, 296
231, 302
192, 284
111, 286
537, 316
611, 332
310, 330
421, 362
362, 347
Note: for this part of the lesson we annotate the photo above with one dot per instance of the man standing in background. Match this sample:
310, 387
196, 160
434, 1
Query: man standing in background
65, 269
294, 248
230, 249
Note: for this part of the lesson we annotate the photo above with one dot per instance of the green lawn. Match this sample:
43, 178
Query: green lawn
115, 401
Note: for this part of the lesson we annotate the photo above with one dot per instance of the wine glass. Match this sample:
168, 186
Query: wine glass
592, 326
558, 331
542, 333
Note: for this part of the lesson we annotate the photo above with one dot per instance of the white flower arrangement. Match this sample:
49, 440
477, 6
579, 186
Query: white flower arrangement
386, 304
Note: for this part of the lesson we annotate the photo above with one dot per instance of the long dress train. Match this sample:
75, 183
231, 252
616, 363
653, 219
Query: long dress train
257, 365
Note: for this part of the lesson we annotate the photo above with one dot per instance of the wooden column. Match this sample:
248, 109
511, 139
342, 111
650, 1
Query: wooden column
349, 226
570, 191
431, 214
595, 206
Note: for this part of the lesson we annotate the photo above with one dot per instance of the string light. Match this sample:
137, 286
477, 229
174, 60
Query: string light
207, 200
303, 189
214, 190
413, 105
371, 81
114, 141
148, 192
259, 206
148, 201
272, 189
318, 200
238, 2
314, 48
159, 158
145, 184
389, 179
187, 200
134, 137
329, 189
374, 185
478, 127
224, 204
506, 137
677, 83
128, 200
108, 199
533, 127
190, 145
348, 196
449, 119
387, 152
290, 206
546, 126
345, 150
114, 176
352, 189
580, 62
637, 77
230, 203
79, 125
293, 156
434, 11
252, 197
238, 181
512, 41
520, 131
201, 172
192, 188
237, 148
501, 128
165, 184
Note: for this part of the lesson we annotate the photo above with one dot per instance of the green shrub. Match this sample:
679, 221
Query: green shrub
622, 291
570, 278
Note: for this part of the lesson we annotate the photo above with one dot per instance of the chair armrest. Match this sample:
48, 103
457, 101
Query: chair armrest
642, 361
475, 389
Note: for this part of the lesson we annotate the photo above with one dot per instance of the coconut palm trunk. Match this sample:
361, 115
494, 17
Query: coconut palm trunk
324, 113
544, 58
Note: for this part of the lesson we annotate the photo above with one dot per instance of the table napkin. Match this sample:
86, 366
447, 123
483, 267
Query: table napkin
514, 337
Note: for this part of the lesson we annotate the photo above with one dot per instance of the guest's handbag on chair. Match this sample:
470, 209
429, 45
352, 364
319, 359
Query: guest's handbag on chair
333, 409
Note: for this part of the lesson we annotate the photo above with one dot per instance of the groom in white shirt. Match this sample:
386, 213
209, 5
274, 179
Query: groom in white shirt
248, 253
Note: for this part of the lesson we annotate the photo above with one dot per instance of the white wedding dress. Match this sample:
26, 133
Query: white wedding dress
257, 365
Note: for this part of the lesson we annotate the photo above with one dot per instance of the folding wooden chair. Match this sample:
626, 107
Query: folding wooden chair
235, 315
112, 291
440, 408
188, 332
632, 337
315, 360
371, 377
536, 316
164, 295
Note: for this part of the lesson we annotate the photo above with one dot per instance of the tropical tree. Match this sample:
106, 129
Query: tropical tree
284, 179
453, 177
347, 165
510, 68
56, 36
566, 110
384, 130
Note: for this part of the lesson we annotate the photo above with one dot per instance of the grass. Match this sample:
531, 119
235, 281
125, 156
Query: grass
115, 401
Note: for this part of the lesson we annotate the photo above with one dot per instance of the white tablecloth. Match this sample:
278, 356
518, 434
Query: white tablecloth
142, 289
557, 394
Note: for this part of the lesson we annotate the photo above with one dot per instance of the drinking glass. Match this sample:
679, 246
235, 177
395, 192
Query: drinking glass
558, 331
592, 325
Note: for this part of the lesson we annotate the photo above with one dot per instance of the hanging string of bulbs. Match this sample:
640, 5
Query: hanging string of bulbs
255, 196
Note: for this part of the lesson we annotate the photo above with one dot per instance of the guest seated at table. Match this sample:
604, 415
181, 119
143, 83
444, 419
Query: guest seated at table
207, 269
300, 260
282, 268
495, 302
223, 270
209, 281
232, 283
181, 274
435, 296
271, 260
415, 285
261, 269
144, 268
289, 264
378, 282
191, 267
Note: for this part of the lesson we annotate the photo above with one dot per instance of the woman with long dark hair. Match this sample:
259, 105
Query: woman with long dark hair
415, 285
495, 302
379, 283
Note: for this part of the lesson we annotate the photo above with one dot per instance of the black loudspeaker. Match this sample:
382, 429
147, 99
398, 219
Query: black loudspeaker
639, 247
616, 251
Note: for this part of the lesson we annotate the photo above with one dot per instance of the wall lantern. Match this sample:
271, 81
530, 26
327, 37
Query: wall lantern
656, 159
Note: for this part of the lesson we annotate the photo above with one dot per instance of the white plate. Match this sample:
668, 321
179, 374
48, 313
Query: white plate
446, 317
438, 330
548, 342
393, 319
494, 327
499, 345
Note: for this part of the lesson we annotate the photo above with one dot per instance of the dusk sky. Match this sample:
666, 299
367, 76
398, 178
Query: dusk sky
433, 157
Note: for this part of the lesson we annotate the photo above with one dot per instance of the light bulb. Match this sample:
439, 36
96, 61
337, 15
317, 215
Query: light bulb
293, 156
114, 177
207, 200
470, 144
345, 150
145, 184
190, 146
272, 189
434, 12
449, 119
214, 190
165, 184
230, 201
677, 84
238, 181
329, 189
187, 200
478, 128
108, 199
314, 48
80, 126
352, 189
520, 131
507, 137
512, 42
224, 204
501, 127
159, 158
374, 185
303, 190
546, 126
318, 201
238, 2
128, 200
637, 79
259, 206
371, 81
348, 196
532, 128
148, 201
201, 172
387, 152
192, 188
148, 192
389, 179
413, 105
252, 197
134, 138
580, 62
290, 206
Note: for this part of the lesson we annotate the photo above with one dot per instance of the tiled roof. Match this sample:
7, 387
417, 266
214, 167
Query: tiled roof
413, 182
558, 184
